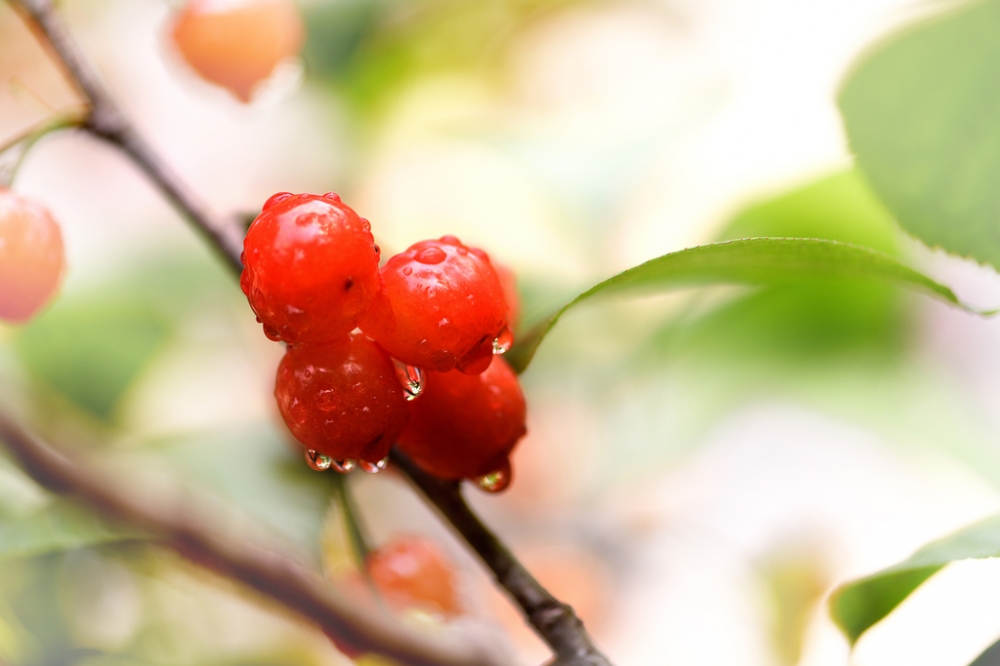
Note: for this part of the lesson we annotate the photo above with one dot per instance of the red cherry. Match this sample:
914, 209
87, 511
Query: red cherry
440, 307
341, 398
464, 426
411, 571
32, 259
237, 43
310, 267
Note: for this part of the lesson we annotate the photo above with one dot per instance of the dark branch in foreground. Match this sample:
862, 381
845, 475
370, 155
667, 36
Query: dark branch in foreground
554, 621
271, 574
106, 121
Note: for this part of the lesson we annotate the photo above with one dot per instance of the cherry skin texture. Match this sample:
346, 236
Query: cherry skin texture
32, 258
237, 43
310, 267
341, 398
464, 426
440, 307
411, 571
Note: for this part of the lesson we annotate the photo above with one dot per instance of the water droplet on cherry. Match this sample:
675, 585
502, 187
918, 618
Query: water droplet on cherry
431, 255
497, 480
412, 379
318, 461
504, 342
277, 198
342, 466
373, 467
272, 333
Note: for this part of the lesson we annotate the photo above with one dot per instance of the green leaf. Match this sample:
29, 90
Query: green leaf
91, 349
921, 115
812, 319
989, 657
838, 207
858, 605
750, 261
60, 525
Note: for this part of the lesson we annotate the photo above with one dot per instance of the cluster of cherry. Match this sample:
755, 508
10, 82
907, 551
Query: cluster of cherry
408, 354
312, 276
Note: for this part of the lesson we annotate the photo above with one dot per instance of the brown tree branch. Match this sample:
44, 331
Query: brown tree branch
554, 621
106, 121
274, 575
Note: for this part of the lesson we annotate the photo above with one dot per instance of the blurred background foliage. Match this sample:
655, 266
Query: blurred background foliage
701, 467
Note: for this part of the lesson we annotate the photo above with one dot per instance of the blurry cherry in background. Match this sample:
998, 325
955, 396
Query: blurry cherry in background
237, 44
32, 259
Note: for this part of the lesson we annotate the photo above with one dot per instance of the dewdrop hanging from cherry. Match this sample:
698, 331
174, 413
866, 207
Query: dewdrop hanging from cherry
371, 351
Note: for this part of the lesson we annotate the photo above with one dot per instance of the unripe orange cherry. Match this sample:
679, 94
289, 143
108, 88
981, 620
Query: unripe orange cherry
411, 571
237, 43
32, 259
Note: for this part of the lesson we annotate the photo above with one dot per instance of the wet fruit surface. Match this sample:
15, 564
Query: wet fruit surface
341, 399
464, 426
32, 258
310, 267
441, 306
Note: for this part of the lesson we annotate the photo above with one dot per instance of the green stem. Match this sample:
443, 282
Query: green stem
24, 142
352, 524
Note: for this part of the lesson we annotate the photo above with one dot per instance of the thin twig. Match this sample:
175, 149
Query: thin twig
356, 533
107, 122
271, 574
24, 143
554, 621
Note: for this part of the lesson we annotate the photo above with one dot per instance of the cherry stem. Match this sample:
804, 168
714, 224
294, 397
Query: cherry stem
352, 523
279, 577
554, 621
17, 148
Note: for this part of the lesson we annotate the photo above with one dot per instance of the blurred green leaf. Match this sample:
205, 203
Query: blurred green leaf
36, 629
920, 113
750, 261
812, 317
60, 525
838, 207
795, 577
91, 350
334, 31
373, 49
989, 657
858, 605
256, 470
